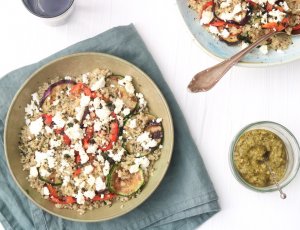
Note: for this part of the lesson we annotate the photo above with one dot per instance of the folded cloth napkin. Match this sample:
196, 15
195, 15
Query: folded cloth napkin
185, 198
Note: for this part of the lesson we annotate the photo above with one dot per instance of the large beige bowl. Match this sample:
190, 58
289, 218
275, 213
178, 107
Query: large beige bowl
74, 65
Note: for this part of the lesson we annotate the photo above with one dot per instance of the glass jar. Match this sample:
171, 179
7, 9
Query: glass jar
291, 147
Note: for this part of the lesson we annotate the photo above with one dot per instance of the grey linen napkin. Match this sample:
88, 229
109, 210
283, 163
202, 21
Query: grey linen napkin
185, 198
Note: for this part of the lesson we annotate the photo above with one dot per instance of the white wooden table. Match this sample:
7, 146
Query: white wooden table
243, 96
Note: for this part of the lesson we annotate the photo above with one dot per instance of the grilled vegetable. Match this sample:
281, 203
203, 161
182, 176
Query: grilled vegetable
117, 90
231, 40
229, 13
52, 179
130, 135
52, 93
125, 187
296, 29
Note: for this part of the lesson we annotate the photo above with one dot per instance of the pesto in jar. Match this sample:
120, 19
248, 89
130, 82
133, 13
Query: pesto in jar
251, 152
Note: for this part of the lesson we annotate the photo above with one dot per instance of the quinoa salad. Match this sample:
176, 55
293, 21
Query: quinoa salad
89, 140
244, 21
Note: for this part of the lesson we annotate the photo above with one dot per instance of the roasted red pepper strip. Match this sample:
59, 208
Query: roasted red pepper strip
269, 7
77, 158
296, 27
63, 200
251, 3
89, 132
85, 143
52, 190
47, 119
77, 172
113, 135
206, 5
59, 131
67, 140
79, 88
107, 196
217, 23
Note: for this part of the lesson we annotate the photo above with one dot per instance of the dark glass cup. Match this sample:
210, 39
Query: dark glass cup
51, 11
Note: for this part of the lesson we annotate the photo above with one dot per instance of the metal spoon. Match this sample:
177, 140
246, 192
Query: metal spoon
206, 79
273, 174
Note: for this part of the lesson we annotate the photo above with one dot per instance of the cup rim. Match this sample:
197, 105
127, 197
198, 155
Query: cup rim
47, 17
245, 183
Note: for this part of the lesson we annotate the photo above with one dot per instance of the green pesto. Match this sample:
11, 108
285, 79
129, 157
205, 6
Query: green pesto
253, 151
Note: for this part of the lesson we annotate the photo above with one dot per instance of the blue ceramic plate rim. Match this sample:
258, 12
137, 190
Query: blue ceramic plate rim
221, 51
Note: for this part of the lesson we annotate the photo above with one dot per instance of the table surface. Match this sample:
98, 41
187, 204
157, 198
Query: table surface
243, 96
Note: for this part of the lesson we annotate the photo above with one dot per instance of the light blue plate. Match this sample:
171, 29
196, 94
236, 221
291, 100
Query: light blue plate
221, 50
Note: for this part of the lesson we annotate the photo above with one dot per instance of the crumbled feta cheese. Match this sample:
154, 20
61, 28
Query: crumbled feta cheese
97, 125
277, 15
88, 169
84, 100
36, 126
51, 162
118, 105
33, 172
35, 98
100, 158
134, 168
126, 82
44, 172
30, 108
40, 157
79, 112
145, 141
82, 184
141, 161
92, 148
68, 78
244, 45
85, 79
285, 6
272, 2
126, 112
54, 143
225, 4
100, 184
84, 158
66, 180
103, 114
27, 121
225, 33
132, 124
116, 156
74, 132
91, 180
96, 103
48, 129
142, 101
58, 120
263, 49
68, 152
106, 168
56, 102
159, 120
45, 191
89, 194
98, 84
213, 29
79, 197
207, 17
264, 18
